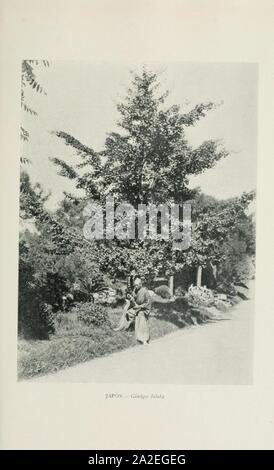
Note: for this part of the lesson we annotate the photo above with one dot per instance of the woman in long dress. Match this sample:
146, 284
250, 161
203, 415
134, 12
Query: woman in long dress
137, 310
142, 311
127, 316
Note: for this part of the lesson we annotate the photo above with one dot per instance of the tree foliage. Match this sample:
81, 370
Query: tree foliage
149, 160
29, 80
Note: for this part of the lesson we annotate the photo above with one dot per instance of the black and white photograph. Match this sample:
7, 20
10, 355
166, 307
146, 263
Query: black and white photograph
137, 222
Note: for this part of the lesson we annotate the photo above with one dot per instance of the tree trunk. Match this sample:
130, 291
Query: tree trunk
171, 285
199, 276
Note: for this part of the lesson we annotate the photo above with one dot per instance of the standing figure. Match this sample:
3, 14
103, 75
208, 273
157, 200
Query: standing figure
124, 322
137, 311
142, 309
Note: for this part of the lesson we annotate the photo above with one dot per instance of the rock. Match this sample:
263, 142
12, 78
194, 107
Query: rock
221, 296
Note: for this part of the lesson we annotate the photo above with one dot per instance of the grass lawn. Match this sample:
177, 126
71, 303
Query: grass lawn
74, 343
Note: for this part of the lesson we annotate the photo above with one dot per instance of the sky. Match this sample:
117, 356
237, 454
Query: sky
81, 100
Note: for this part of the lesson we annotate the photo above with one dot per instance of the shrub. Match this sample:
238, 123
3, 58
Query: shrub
36, 319
46, 320
180, 291
197, 296
163, 291
91, 314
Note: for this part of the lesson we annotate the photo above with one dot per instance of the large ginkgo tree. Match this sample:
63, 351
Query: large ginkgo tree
148, 160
